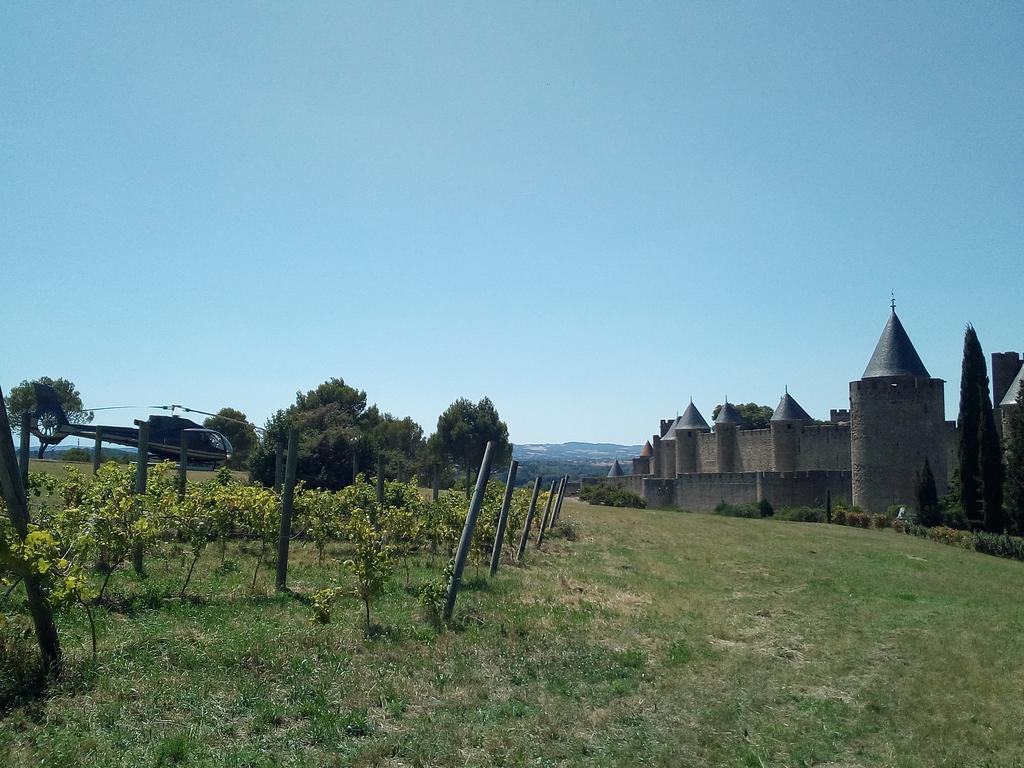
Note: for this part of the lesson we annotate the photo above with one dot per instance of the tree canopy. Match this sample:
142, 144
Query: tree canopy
339, 437
754, 416
236, 426
463, 431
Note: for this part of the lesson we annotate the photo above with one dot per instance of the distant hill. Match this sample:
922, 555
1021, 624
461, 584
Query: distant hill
581, 452
551, 460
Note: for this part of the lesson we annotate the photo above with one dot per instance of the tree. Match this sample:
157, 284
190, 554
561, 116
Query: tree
235, 425
23, 398
1015, 465
990, 466
980, 468
463, 432
339, 436
972, 374
754, 416
927, 498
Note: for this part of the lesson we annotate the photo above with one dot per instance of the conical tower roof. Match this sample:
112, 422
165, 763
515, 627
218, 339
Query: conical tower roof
728, 415
691, 419
790, 410
648, 449
1010, 398
616, 470
894, 354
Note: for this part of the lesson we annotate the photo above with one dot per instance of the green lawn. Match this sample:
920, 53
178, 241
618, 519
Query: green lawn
654, 638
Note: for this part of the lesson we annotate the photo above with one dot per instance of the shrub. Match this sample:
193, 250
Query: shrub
802, 514
858, 520
738, 510
765, 508
952, 536
839, 513
953, 517
611, 496
1000, 545
881, 521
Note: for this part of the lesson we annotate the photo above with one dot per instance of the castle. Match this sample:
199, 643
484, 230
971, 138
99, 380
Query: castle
869, 455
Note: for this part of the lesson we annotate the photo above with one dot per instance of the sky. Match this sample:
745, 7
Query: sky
588, 212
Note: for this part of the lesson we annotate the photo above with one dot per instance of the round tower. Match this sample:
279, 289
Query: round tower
785, 426
688, 430
726, 422
897, 420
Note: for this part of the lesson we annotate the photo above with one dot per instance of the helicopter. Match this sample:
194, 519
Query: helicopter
49, 423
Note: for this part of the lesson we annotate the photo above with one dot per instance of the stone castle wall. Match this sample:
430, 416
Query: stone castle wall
702, 493
824, 446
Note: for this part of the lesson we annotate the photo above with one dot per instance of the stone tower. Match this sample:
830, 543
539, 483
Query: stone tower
688, 428
897, 420
726, 422
667, 459
785, 426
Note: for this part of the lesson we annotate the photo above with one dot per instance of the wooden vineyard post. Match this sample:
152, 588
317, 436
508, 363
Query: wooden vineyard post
17, 510
26, 425
97, 450
435, 486
499, 534
141, 466
287, 500
558, 504
547, 513
467, 531
529, 520
287, 503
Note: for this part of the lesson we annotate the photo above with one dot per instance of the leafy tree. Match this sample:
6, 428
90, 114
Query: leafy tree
463, 432
1015, 465
754, 416
928, 512
340, 437
23, 398
242, 434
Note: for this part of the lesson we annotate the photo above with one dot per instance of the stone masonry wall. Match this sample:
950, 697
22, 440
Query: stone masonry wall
755, 454
824, 446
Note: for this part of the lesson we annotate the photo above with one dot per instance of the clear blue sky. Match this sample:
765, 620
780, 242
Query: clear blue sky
589, 212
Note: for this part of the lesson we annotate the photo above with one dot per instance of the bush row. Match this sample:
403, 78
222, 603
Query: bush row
610, 496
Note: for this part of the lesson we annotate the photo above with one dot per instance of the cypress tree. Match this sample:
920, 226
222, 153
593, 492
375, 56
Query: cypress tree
972, 373
990, 460
1015, 465
927, 498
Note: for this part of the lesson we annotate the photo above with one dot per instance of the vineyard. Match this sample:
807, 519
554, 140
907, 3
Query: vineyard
85, 530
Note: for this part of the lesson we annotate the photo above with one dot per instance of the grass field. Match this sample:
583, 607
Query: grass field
654, 638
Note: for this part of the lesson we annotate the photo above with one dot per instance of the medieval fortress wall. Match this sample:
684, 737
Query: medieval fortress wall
869, 455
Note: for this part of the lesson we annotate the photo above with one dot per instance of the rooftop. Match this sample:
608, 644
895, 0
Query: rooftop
894, 354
